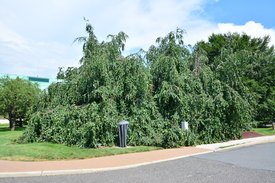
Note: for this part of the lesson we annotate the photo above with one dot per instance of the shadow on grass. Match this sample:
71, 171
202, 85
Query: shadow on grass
5, 128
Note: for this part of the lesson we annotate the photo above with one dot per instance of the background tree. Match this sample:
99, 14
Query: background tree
245, 62
17, 96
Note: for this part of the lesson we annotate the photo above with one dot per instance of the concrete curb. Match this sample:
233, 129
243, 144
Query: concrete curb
237, 143
83, 171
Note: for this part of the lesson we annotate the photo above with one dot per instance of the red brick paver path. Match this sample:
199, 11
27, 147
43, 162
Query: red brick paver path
101, 162
250, 135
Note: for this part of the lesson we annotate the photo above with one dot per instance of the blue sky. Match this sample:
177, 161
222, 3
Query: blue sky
36, 36
242, 11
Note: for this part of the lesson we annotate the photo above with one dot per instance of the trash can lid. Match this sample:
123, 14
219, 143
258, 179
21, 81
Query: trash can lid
123, 122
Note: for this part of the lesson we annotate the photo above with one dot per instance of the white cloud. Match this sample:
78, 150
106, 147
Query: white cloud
251, 28
36, 37
11, 39
202, 29
26, 57
143, 21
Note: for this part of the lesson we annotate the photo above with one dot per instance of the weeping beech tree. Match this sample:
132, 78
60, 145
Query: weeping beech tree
85, 108
154, 91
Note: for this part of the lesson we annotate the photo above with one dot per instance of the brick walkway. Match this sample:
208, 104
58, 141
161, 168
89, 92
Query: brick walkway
123, 160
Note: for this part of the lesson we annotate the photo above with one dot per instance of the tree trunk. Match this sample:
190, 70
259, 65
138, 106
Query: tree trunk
13, 126
20, 122
12, 122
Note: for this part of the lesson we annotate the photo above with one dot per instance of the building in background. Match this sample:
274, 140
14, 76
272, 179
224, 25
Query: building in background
42, 82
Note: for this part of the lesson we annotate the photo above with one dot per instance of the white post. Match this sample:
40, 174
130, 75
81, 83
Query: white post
184, 125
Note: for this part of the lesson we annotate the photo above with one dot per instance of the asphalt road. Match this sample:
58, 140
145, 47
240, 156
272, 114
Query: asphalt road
248, 164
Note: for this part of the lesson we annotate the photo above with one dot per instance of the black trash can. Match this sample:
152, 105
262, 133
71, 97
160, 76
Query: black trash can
123, 125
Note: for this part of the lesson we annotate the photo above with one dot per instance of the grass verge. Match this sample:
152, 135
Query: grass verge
10, 150
264, 131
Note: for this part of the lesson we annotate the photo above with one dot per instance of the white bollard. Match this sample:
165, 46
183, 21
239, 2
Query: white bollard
184, 125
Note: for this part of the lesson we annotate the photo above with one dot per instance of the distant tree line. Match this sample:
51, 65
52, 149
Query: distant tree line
221, 87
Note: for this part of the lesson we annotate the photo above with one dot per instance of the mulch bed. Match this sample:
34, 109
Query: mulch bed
250, 135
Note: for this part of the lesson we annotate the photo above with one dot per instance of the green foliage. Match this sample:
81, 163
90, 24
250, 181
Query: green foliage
215, 87
16, 97
85, 108
247, 65
146, 126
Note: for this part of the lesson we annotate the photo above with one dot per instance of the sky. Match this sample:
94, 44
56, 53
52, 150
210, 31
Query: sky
36, 36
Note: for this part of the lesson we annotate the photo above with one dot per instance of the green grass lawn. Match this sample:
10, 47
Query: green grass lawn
10, 150
264, 131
